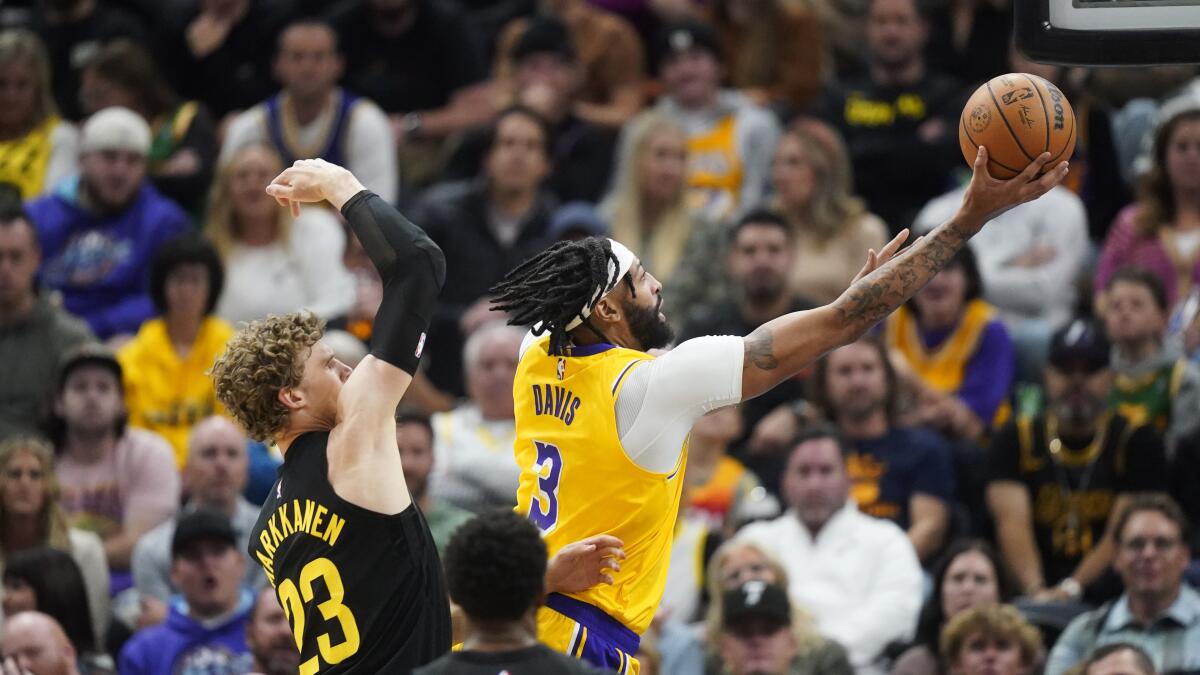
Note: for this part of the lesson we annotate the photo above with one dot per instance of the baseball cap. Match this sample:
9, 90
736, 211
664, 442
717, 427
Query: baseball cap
683, 35
576, 218
544, 34
88, 353
756, 599
1079, 345
201, 524
115, 128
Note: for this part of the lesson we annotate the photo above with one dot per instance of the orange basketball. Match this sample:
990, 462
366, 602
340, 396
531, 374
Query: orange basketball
1017, 117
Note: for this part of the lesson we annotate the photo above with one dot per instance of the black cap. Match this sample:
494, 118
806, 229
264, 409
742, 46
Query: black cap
544, 34
757, 599
683, 35
202, 524
89, 353
1080, 345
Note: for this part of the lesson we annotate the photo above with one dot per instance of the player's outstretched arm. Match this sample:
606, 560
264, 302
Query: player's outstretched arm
412, 269
780, 348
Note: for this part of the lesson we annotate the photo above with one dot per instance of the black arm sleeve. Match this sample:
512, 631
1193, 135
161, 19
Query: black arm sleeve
413, 270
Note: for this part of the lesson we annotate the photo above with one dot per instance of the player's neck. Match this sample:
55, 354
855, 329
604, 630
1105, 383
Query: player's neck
498, 636
900, 74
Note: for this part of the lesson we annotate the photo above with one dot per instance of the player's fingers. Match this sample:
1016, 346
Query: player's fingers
894, 245
607, 578
295, 208
1031, 172
611, 564
1047, 182
613, 552
604, 541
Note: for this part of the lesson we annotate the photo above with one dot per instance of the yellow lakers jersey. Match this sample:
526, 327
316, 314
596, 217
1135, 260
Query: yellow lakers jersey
943, 367
576, 480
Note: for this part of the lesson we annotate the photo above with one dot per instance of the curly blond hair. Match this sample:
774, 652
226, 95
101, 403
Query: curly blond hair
264, 357
992, 622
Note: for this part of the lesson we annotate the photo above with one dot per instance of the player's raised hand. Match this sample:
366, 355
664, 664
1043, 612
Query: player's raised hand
875, 260
583, 564
313, 180
987, 197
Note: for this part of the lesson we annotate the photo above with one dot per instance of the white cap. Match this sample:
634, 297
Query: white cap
115, 128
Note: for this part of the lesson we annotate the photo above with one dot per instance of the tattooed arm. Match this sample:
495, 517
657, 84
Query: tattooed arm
780, 348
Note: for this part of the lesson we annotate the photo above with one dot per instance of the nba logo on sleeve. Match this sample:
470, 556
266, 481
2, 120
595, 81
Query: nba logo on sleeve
420, 346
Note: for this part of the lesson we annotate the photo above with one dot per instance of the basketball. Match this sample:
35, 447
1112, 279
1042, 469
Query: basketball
1017, 117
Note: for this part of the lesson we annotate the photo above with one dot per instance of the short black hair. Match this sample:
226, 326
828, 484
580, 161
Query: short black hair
409, 416
493, 129
186, 249
1140, 275
1103, 652
760, 217
495, 564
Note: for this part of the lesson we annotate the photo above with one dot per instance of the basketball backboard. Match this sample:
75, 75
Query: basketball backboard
1109, 32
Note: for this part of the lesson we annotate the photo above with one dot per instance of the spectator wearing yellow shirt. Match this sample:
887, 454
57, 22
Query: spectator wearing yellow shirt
167, 386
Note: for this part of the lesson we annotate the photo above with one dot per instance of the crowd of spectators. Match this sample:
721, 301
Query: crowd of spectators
999, 478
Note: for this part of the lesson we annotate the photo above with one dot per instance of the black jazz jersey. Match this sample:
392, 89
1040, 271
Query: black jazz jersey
364, 592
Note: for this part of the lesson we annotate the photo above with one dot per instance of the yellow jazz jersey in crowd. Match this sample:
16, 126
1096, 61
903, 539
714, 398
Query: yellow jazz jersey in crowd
577, 481
166, 392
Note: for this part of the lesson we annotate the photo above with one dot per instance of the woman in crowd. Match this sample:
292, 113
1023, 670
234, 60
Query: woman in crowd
737, 562
183, 148
31, 519
1161, 230
952, 349
37, 147
649, 213
831, 228
971, 574
991, 640
274, 263
167, 386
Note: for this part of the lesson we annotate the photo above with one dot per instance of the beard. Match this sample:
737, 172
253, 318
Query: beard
645, 326
1080, 411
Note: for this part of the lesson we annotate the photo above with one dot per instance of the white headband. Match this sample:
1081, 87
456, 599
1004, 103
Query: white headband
625, 260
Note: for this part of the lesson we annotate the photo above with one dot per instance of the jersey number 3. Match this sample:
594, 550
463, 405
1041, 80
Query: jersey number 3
294, 598
543, 510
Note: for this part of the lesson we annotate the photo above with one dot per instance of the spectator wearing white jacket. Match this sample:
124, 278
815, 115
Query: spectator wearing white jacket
857, 575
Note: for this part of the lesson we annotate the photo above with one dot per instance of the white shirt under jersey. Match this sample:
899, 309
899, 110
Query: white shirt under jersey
662, 398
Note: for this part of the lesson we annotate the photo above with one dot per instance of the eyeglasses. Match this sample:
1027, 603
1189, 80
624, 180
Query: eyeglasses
1160, 544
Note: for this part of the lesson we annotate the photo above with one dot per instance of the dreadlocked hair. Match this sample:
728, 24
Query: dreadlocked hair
552, 288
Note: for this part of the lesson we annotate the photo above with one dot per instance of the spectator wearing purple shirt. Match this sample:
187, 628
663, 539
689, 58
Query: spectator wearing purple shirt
98, 232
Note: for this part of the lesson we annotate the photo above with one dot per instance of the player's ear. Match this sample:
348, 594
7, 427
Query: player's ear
291, 398
607, 310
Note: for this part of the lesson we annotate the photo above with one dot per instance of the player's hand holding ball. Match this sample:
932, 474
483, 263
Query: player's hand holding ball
313, 180
1016, 131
